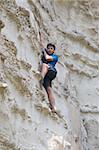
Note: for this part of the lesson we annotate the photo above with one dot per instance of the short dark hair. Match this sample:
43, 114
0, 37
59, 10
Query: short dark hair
50, 44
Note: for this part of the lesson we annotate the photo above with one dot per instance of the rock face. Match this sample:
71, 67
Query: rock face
26, 122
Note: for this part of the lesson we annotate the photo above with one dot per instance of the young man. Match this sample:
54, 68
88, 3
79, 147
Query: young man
49, 72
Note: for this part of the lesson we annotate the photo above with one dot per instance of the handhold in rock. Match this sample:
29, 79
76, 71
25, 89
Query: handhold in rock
67, 144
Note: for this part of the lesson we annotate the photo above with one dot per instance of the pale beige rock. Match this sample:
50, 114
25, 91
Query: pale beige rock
26, 121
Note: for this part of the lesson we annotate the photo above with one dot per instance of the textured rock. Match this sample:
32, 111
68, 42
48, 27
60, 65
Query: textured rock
26, 122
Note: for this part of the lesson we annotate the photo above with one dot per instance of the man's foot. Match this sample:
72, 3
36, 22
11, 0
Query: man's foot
53, 108
38, 75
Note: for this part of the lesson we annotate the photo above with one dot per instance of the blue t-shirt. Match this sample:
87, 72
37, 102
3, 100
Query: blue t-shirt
55, 60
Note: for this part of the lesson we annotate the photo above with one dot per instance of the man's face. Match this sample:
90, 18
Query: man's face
50, 50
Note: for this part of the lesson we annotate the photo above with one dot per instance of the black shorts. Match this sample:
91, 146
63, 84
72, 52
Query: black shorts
48, 78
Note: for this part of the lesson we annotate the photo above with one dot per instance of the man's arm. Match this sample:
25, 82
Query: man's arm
48, 57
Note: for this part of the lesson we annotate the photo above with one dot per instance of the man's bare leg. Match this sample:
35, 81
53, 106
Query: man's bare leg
51, 99
44, 70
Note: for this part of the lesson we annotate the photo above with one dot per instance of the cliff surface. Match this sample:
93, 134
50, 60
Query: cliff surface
26, 122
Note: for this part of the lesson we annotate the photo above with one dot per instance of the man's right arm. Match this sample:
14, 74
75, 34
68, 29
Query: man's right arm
48, 57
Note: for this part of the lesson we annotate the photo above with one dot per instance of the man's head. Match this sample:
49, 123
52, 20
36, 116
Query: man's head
50, 48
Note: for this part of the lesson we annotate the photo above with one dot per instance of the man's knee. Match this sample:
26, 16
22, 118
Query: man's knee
45, 65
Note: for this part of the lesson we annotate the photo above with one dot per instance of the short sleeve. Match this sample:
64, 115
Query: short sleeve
55, 58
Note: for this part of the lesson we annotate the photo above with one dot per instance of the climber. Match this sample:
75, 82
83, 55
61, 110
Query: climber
49, 72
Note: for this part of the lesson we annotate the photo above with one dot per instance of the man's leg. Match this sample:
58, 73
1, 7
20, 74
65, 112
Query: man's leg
47, 85
44, 70
51, 98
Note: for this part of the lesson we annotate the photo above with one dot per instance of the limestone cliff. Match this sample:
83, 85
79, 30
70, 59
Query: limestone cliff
26, 122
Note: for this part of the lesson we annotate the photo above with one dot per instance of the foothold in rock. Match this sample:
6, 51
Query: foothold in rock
3, 85
1, 25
